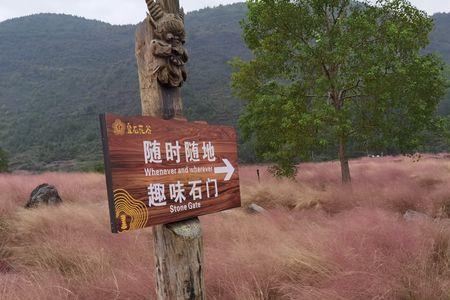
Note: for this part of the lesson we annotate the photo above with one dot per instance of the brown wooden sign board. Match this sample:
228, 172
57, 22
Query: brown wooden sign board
163, 171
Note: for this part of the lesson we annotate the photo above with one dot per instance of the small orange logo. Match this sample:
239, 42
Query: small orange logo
123, 222
119, 127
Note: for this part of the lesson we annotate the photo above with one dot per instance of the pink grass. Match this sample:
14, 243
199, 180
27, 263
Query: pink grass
318, 240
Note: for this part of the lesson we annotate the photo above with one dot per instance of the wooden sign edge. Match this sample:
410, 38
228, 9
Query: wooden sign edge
108, 173
108, 168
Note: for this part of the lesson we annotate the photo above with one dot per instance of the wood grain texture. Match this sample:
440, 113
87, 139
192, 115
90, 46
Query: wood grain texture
179, 261
126, 165
178, 246
156, 100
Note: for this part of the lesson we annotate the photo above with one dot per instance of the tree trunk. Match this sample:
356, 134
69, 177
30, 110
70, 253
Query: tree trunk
338, 103
345, 168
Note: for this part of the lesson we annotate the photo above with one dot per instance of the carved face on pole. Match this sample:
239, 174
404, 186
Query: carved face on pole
168, 46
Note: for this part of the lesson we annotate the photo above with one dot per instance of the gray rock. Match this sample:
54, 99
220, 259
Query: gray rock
44, 194
414, 215
255, 208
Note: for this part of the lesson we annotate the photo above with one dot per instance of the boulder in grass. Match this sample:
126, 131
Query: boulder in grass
412, 215
44, 194
256, 209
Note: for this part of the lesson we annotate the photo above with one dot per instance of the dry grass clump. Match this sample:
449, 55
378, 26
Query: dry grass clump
67, 252
260, 257
282, 194
360, 254
37, 239
396, 184
319, 240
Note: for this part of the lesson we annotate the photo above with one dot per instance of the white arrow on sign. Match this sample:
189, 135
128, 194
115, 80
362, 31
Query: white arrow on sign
228, 169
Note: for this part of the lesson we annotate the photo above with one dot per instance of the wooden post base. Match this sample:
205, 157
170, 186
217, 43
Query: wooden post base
179, 260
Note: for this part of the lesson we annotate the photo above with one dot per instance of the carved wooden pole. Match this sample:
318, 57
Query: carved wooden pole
160, 58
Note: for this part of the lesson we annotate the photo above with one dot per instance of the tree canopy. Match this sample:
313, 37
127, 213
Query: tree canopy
336, 72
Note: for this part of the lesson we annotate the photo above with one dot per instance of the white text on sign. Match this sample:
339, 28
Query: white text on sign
178, 193
153, 153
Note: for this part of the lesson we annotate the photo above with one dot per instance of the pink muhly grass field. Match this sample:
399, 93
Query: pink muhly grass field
318, 240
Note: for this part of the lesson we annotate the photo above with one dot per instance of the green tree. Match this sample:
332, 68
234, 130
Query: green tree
336, 72
3, 161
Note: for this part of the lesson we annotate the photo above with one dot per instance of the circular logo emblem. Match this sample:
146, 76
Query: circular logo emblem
118, 127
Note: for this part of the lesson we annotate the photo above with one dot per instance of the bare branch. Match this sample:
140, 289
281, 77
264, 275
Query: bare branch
354, 96
353, 87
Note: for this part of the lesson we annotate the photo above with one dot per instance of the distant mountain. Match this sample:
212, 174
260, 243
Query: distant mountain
440, 43
57, 72
440, 37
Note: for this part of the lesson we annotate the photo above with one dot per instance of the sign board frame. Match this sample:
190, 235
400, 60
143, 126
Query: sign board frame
195, 170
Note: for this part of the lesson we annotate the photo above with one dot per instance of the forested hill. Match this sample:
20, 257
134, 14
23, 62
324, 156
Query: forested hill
440, 38
57, 72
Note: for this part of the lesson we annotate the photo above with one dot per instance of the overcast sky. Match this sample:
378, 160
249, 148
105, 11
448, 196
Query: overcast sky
133, 11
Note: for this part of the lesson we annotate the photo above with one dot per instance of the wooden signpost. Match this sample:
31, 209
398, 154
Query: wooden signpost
162, 171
